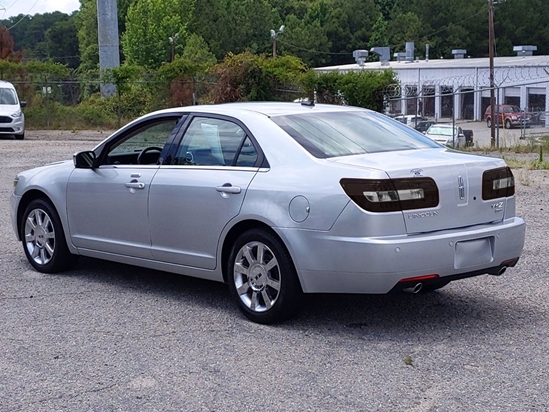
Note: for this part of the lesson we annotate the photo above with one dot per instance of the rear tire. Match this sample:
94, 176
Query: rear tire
262, 278
43, 238
489, 122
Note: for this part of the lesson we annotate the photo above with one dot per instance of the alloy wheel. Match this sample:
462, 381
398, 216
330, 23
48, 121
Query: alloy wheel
257, 276
40, 236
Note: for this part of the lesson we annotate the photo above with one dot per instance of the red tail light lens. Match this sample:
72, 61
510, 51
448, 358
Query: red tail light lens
498, 183
391, 195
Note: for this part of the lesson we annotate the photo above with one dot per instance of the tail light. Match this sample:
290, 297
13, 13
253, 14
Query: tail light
498, 183
391, 195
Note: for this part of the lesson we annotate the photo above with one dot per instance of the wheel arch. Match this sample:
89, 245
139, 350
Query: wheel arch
34, 194
26, 199
236, 231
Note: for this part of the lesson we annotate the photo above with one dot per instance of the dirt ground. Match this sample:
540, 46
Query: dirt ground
91, 135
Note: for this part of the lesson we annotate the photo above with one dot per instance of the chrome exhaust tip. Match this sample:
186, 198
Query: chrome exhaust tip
414, 289
498, 272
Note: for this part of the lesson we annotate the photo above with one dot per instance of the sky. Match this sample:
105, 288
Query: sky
10, 8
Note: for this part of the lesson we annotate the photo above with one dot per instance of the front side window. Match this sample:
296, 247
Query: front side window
327, 135
215, 142
142, 145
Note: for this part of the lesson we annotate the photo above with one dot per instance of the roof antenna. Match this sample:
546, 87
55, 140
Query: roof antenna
309, 103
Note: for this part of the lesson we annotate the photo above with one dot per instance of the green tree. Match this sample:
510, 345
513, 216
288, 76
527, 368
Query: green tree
306, 39
178, 82
379, 37
248, 77
349, 26
149, 26
521, 22
198, 52
46, 73
62, 43
86, 21
234, 25
363, 89
405, 27
121, 77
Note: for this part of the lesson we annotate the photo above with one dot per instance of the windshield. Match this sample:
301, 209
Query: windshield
7, 96
348, 133
443, 131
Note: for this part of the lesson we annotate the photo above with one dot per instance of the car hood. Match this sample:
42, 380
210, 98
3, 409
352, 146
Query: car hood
8, 108
458, 177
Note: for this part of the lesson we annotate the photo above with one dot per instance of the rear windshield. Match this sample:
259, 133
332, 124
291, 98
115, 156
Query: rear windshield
349, 133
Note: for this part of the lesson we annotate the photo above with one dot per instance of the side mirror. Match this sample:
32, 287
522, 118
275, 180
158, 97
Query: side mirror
84, 160
22, 104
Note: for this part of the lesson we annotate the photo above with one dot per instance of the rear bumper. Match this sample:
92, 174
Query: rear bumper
336, 264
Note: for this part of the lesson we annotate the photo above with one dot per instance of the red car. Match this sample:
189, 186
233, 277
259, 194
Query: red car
508, 115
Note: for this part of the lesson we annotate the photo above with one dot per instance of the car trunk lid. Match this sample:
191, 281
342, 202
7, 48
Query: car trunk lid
458, 177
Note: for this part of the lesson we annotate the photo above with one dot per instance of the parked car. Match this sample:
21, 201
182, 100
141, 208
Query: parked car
446, 134
508, 115
12, 119
277, 200
424, 125
409, 119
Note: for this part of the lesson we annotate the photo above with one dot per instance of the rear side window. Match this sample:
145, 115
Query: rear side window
216, 142
327, 135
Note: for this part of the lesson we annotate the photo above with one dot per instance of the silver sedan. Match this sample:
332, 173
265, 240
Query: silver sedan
277, 200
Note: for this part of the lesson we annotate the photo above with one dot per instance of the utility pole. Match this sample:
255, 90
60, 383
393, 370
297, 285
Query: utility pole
107, 33
491, 57
173, 40
274, 36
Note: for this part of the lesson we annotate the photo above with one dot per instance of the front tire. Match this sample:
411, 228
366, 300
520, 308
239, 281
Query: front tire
19, 136
43, 238
489, 122
262, 278
508, 124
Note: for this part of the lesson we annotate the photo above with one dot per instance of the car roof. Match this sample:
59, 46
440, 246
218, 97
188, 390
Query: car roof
270, 109
5, 84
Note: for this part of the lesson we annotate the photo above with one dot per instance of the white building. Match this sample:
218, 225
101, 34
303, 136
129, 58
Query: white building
460, 87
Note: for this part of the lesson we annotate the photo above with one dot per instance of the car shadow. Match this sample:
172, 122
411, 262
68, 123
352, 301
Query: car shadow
457, 309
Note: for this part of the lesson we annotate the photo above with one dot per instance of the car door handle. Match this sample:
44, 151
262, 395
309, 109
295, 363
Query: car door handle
135, 185
228, 188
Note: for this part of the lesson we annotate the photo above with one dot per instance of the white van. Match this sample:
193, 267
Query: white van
12, 119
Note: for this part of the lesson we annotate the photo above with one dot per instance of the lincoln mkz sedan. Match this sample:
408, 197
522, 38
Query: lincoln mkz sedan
276, 200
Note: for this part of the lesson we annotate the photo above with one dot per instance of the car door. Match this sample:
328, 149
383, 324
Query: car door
194, 198
107, 206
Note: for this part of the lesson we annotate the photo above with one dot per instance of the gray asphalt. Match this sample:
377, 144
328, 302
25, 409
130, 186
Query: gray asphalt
110, 337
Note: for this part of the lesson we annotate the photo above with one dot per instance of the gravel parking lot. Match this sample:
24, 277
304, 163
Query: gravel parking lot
110, 337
